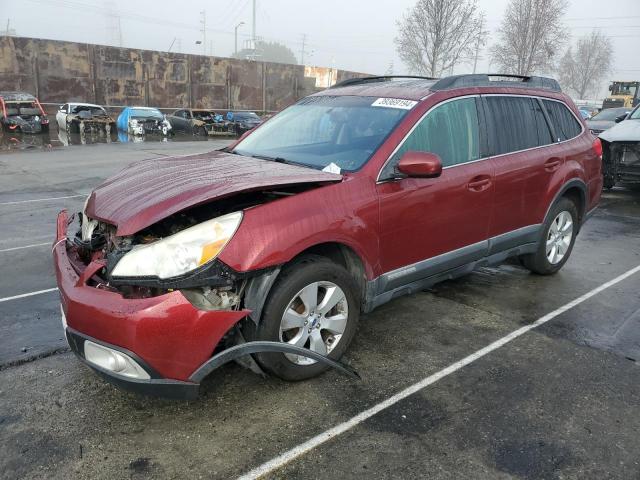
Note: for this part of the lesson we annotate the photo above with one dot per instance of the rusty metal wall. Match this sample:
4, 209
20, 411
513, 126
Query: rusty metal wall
59, 72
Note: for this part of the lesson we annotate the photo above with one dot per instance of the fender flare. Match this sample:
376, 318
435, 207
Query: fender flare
575, 182
237, 351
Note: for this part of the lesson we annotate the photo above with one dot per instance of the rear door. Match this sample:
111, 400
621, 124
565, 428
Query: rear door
429, 225
526, 162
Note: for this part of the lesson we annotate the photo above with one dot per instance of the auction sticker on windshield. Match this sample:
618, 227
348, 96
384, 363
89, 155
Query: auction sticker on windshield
394, 103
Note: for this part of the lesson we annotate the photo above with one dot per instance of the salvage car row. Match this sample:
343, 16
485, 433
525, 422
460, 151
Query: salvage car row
23, 113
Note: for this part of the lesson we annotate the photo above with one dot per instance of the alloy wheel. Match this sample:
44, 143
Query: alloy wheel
559, 237
315, 318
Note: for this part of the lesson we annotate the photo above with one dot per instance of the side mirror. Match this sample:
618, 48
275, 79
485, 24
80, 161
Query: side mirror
61, 108
620, 118
420, 164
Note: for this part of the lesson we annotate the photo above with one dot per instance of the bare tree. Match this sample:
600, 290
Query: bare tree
530, 36
436, 35
582, 70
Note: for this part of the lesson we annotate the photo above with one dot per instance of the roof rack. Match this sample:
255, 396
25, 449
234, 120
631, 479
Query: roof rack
496, 80
383, 78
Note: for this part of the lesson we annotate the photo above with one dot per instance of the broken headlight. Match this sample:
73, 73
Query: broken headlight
179, 253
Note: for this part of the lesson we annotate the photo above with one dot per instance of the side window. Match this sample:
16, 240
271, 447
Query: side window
187, 114
544, 133
564, 123
518, 123
450, 130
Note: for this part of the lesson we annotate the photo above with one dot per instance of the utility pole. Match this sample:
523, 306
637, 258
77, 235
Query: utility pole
304, 42
235, 50
253, 33
478, 42
203, 21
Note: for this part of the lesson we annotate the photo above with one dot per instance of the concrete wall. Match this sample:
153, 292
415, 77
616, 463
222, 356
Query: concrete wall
59, 72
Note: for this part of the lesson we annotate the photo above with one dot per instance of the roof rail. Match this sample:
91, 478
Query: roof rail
383, 78
496, 80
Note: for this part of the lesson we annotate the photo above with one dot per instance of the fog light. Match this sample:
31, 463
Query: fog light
113, 360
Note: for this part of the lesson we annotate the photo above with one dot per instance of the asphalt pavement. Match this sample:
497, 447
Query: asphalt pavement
560, 400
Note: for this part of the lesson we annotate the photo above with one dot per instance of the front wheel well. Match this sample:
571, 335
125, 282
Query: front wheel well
344, 256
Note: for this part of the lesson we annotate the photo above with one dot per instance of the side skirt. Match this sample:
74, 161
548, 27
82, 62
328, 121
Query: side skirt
460, 262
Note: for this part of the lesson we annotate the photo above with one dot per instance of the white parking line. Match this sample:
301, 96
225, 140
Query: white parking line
42, 199
318, 440
24, 246
30, 294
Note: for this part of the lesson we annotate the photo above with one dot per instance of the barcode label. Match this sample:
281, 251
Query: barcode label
394, 103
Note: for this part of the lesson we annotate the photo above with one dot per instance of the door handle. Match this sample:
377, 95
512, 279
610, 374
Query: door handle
478, 184
552, 164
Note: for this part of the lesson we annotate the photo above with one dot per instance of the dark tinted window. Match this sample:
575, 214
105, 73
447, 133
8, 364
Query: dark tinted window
564, 123
518, 124
450, 130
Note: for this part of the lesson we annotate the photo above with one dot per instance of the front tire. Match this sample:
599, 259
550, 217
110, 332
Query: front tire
558, 238
314, 304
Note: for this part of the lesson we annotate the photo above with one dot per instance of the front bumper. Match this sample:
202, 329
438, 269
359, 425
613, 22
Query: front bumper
170, 336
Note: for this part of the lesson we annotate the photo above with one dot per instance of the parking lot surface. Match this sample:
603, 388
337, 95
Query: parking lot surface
558, 401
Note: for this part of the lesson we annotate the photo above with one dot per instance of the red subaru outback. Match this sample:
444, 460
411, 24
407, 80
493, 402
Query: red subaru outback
269, 250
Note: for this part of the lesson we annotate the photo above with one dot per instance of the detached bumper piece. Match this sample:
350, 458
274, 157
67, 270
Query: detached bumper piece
126, 370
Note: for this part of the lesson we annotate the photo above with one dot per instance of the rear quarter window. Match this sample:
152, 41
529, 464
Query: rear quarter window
517, 123
564, 123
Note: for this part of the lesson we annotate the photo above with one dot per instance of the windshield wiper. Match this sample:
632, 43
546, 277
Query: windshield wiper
271, 159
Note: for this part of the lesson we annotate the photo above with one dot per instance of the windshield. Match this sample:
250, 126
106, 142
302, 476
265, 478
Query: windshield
609, 114
139, 112
635, 115
318, 131
624, 89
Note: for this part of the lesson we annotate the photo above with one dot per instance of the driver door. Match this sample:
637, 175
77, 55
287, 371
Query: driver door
430, 225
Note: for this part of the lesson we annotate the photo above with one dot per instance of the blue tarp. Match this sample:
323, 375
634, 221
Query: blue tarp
123, 118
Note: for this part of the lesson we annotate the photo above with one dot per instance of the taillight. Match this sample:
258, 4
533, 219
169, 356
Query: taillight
597, 147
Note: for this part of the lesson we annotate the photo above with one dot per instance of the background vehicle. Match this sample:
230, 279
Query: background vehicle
143, 121
606, 119
326, 211
623, 94
621, 151
243, 121
199, 122
84, 117
22, 112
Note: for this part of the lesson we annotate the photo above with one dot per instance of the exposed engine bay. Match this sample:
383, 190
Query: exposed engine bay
213, 286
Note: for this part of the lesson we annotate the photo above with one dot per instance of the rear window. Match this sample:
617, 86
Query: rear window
518, 124
564, 123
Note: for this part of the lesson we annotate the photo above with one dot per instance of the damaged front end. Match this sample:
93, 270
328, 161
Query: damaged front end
24, 117
90, 121
621, 163
621, 151
149, 126
166, 279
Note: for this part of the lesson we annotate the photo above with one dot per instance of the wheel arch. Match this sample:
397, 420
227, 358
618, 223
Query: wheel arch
576, 191
259, 287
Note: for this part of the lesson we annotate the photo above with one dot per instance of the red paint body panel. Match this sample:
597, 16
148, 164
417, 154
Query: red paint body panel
167, 332
151, 190
274, 233
424, 217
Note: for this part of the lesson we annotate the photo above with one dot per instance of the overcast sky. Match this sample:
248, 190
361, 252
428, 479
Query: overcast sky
351, 34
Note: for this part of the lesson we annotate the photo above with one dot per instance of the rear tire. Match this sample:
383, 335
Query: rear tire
332, 282
559, 235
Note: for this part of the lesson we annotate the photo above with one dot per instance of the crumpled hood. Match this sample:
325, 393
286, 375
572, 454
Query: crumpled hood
148, 191
625, 131
600, 124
